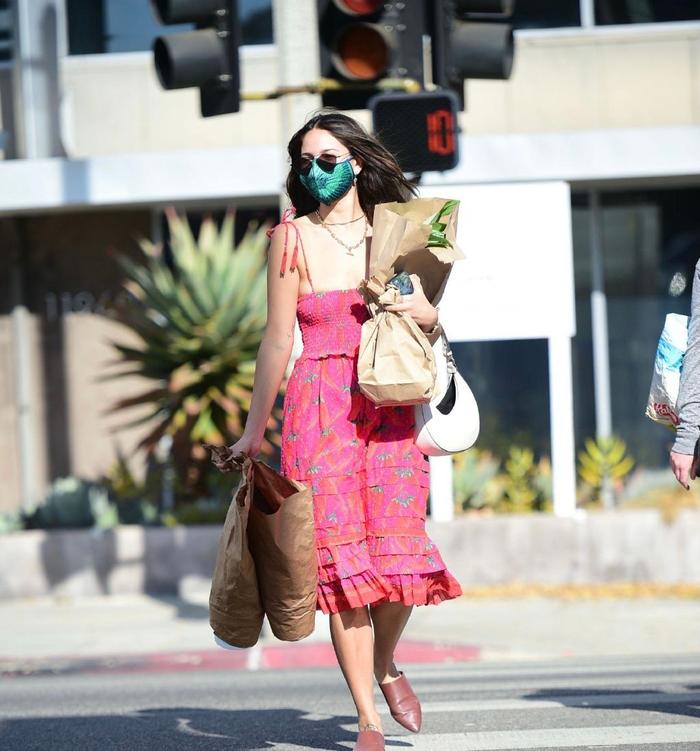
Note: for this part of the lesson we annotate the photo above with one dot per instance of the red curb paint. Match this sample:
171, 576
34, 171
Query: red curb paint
272, 656
422, 651
322, 655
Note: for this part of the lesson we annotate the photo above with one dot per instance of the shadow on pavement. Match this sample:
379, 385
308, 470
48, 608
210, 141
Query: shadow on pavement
649, 700
184, 609
183, 729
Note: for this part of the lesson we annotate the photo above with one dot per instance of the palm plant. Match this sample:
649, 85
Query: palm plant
199, 317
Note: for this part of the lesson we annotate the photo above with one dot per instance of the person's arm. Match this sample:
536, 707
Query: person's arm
275, 348
683, 450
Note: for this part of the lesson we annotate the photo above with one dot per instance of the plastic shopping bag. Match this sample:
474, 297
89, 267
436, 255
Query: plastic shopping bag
665, 380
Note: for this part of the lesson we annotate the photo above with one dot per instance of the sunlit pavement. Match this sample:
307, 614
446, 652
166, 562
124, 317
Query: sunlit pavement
621, 703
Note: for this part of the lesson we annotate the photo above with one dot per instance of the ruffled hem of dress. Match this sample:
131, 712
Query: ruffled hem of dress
370, 588
423, 589
353, 591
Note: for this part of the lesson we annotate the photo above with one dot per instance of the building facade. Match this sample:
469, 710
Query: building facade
604, 95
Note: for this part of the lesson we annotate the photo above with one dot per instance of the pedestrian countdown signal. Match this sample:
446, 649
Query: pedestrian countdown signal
419, 129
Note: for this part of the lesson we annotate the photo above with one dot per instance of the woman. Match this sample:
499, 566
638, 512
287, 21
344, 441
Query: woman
369, 481
684, 453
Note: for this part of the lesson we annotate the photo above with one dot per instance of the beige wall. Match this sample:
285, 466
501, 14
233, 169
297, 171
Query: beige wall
96, 438
114, 104
70, 275
563, 80
621, 77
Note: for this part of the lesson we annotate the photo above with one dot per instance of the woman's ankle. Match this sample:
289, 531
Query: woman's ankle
384, 672
369, 722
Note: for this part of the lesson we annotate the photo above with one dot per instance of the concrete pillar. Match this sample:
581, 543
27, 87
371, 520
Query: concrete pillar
599, 334
40, 43
561, 417
296, 39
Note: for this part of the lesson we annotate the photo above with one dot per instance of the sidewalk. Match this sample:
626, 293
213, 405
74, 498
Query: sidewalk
137, 632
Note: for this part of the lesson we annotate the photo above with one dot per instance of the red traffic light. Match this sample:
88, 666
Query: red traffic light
420, 130
361, 52
363, 42
359, 7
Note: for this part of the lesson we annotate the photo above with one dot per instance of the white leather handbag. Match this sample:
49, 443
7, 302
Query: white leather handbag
449, 422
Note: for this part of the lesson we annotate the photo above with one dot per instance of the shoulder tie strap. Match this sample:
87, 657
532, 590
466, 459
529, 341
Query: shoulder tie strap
286, 222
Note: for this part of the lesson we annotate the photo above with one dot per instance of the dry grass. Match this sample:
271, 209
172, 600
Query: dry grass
631, 590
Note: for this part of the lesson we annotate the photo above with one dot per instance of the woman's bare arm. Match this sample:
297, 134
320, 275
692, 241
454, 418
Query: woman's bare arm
275, 348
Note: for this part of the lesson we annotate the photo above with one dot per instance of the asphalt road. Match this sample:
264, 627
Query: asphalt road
646, 703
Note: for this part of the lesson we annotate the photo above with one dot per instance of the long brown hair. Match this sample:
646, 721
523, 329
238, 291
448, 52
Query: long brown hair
380, 180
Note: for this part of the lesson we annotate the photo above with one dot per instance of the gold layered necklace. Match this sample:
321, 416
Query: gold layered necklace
348, 247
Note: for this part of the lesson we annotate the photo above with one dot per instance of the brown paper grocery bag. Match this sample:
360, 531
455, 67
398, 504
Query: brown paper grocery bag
235, 608
266, 561
396, 363
283, 543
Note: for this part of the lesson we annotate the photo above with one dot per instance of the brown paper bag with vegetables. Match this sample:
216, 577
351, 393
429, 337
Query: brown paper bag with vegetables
419, 237
396, 364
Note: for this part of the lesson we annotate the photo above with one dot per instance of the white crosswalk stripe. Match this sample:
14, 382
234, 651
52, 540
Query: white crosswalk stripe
554, 702
536, 706
504, 740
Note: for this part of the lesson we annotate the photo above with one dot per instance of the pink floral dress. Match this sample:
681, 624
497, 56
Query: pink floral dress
369, 481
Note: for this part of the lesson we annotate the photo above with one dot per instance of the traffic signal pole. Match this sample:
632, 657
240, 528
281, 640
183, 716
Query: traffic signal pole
294, 25
297, 55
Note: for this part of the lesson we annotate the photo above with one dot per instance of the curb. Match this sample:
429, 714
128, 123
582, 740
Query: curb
260, 657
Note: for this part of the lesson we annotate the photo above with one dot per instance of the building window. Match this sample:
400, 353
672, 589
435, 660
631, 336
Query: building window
97, 26
5, 30
650, 244
645, 11
544, 14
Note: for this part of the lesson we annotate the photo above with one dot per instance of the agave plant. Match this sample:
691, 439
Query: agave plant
200, 317
475, 480
604, 459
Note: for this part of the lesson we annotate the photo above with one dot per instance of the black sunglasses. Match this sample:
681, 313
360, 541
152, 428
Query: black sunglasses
325, 161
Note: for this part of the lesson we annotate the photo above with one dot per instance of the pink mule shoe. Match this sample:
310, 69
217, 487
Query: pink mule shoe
403, 703
369, 740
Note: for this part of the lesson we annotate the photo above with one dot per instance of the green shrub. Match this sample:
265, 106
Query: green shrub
201, 511
11, 522
474, 477
73, 503
517, 485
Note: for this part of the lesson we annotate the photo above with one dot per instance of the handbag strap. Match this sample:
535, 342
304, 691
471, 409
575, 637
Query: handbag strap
447, 351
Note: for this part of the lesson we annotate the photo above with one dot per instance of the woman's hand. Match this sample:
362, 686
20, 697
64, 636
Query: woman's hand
224, 458
417, 306
684, 468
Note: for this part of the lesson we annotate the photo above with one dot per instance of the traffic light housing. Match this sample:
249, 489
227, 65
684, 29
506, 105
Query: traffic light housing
206, 57
420, 130
470, 39
362, 42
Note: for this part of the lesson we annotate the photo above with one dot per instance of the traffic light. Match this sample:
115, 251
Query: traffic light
206, 57
470, 39
420, 130
364, 41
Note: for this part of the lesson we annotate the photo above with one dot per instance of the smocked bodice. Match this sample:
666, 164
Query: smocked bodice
331, 321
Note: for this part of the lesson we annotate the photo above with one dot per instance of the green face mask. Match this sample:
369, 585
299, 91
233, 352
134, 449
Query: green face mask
327, 187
